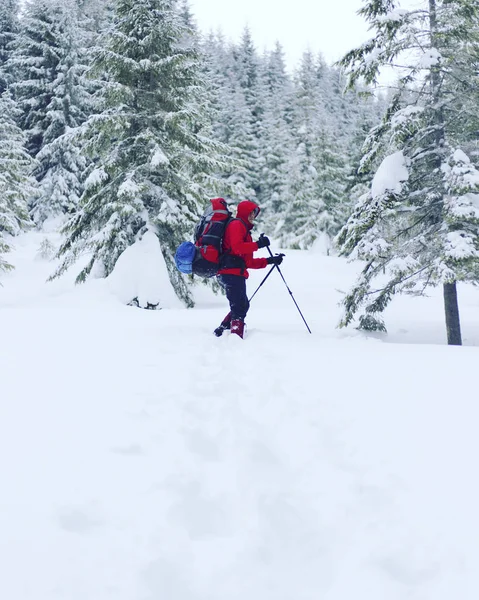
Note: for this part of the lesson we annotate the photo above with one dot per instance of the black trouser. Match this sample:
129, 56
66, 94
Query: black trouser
235, 288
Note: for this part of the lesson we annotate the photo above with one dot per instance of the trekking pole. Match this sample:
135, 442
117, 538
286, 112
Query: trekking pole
290, 292
257, 289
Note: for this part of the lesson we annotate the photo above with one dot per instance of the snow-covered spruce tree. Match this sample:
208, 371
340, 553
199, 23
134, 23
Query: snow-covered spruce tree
314, 191
9, 10
294, 227
331, 182
15, 180
276, 141
466, 94
53, 96
249, 83
240, 136
218, 120
61, 161
419, 223
184, 10
153, 163
231, 117
341, 119
35, 60
316, 184
300, 188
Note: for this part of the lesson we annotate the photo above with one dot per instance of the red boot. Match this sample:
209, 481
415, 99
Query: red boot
237, 326
225, 324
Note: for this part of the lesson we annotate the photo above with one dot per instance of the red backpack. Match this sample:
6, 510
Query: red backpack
209, 238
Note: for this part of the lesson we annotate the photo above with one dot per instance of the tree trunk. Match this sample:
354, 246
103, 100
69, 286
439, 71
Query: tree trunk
451, 307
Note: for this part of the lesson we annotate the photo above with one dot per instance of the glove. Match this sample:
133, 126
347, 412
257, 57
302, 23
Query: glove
263, 242
275, 260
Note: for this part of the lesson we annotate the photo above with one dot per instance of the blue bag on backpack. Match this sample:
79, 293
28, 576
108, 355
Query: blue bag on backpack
185, 256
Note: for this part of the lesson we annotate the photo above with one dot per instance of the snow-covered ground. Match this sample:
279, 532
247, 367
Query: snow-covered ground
141, 458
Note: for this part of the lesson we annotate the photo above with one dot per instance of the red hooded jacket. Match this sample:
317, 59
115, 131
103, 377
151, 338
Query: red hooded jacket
237, 241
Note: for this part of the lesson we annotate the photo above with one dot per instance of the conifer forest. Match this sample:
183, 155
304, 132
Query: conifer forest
120, 117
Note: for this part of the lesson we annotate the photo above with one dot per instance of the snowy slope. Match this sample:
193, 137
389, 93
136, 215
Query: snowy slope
141, 458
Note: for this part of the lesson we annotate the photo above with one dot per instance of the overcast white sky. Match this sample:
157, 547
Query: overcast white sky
328, 26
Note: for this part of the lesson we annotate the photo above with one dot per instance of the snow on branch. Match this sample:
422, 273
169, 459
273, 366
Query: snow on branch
390, 176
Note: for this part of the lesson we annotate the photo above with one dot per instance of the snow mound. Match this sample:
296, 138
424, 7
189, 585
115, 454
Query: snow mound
141, 276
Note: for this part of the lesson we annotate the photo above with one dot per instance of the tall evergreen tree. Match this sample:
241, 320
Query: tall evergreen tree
15, 180
295, 227
419, 223
188, 18
331, 181
231, 117
35, 59
60, 160
9, 10
53, 96
276, 141
248, 82
317, 171
153, 163
300, 188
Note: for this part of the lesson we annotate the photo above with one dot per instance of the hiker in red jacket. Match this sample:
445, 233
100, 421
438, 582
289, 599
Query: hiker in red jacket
238, 248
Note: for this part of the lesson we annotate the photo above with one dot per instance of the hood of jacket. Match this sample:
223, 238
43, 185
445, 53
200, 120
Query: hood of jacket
245, 208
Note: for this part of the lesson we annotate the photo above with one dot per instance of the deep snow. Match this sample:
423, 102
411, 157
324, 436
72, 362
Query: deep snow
141, 458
